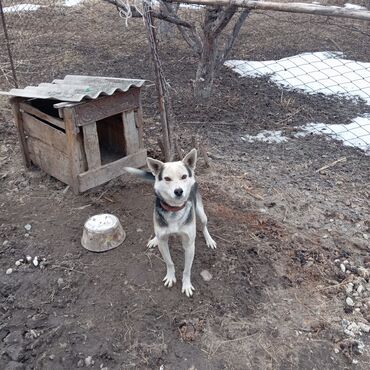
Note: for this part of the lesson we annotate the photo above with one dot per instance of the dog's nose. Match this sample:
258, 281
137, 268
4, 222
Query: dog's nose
178, 192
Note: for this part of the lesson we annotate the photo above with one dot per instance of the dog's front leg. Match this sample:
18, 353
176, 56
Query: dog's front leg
170, 277
203, 220
188, 243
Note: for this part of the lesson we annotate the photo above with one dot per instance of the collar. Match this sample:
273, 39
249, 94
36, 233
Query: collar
169, 208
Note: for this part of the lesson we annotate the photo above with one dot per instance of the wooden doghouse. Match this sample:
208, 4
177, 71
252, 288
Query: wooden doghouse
81, 130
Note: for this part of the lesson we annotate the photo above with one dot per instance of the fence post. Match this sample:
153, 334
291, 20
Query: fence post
10, 55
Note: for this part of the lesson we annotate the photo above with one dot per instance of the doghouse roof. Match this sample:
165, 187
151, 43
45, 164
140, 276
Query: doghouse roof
76, 88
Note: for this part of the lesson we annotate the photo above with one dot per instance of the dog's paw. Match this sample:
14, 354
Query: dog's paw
211, 243
169, 280
152, 243
187, 288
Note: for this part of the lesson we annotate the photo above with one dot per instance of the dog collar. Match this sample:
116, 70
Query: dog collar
169, 208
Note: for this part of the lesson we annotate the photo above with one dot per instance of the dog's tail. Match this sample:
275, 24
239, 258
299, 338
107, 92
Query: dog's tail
145, 175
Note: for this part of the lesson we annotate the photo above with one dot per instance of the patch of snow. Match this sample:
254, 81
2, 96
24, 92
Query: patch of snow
191, 6
355, 134
266, 136
354, 6
21, 8
156, 4
319, 72
70, 3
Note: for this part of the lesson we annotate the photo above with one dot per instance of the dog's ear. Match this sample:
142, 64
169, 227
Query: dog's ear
191, 159
154, 165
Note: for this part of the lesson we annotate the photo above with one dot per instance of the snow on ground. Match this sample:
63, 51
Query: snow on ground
320, 72
266, 136
355, 134
72, 2
354, 6
21, 8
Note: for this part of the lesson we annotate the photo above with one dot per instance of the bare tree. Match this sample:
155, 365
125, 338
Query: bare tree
166, 30
205, 41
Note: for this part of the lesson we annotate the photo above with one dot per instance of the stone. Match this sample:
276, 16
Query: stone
89, 361
350, 302
9, 271
363, 272
364, 327
28, 227
80, 363
354, 328
342, 267
349, 288
360, 289
206, 275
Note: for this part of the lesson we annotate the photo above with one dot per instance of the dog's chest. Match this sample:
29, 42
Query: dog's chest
176, 221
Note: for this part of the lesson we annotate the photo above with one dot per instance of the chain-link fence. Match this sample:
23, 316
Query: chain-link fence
323, 60
321, 73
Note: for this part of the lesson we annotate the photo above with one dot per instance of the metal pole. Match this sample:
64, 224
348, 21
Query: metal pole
8, 45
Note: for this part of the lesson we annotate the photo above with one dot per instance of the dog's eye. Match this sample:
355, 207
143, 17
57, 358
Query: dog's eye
167, 179
183, 177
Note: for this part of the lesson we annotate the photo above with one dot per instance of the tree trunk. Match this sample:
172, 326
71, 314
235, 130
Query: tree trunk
206, 70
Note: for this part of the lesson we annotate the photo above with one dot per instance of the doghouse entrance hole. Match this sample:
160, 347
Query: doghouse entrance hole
111, 138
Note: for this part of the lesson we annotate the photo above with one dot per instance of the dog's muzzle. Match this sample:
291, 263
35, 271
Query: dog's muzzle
178, 192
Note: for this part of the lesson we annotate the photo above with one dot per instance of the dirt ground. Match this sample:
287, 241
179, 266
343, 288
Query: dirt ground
285, 232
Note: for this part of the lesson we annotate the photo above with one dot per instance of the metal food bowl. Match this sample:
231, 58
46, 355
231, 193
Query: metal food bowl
102, 232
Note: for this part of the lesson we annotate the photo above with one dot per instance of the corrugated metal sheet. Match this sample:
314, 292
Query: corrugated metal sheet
76, 88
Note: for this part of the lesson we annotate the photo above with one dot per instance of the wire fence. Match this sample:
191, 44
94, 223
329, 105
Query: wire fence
317, 73
51, 38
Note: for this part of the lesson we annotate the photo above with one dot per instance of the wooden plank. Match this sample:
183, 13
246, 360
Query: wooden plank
131, 133
15, 103
315, 9
91, 145
90, 179
53, 162
74, 145
47, 134
139, 125
106, 106
46, 117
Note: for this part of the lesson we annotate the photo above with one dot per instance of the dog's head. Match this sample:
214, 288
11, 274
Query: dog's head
174, 180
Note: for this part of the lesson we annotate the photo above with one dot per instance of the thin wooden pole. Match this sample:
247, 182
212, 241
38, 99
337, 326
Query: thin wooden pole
10, 55
314, 9
166, 128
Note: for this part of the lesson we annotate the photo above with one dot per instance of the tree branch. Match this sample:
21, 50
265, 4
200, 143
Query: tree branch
223, 19
229, 44
189, 34
168, 18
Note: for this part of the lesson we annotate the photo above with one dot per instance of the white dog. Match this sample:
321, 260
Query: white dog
177, 203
